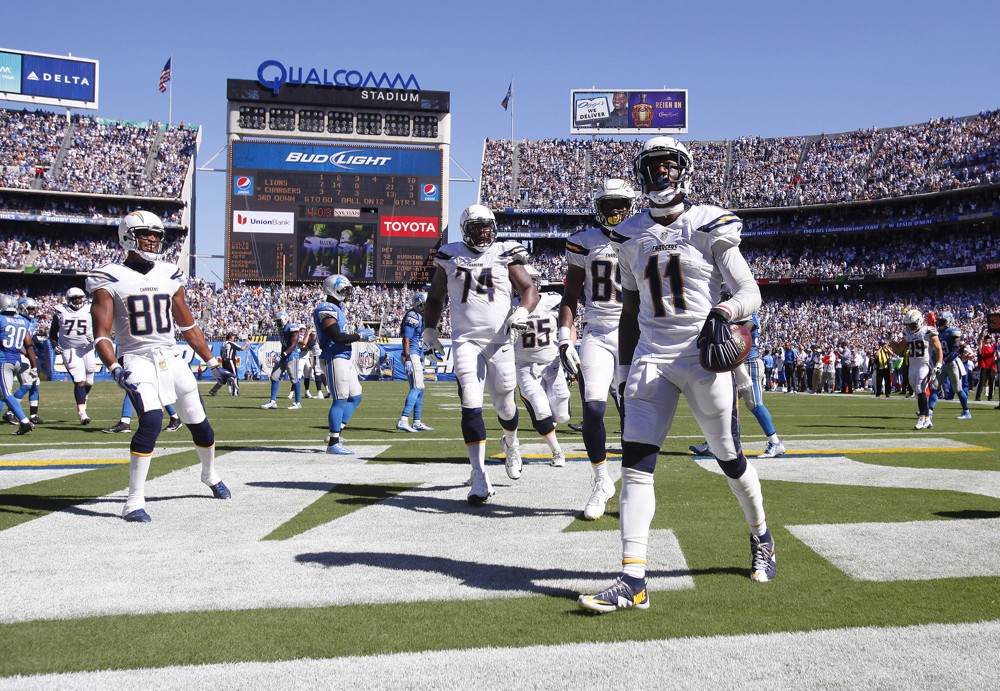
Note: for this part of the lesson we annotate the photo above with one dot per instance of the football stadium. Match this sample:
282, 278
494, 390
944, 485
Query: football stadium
290, 525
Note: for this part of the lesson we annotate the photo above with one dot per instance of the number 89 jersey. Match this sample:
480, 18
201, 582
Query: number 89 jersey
143, 318
591, 250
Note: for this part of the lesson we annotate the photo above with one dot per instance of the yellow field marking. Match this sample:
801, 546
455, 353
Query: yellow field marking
36, 463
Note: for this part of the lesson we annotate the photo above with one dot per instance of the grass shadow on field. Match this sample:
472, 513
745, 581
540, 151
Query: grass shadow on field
38, 505
971, 514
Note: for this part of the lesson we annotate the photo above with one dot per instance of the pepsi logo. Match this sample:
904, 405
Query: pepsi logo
430, 188
243, 183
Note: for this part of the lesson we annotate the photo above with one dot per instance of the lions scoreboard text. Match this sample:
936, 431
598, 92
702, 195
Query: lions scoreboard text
301, 212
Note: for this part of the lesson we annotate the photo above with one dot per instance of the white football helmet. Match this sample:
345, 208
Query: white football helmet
27, 307
142, 222
75, 298
8, 305
913, 320
658, 187
479, 227
944, 320
281, 319
419, 301
614, 202
337, 287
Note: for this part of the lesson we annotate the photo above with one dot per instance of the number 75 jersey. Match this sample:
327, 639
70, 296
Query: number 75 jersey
143, 318
479, 289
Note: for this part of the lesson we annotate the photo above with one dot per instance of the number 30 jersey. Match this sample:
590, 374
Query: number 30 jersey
479, 289
675, 271
591, 250
143, 318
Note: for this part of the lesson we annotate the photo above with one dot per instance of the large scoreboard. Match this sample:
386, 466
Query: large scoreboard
301, 212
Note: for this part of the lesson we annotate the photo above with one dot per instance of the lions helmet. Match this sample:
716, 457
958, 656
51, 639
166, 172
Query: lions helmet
142, 223
27, 307
944, 320
281, 319
663, 187
337, 287
8, 305
614, 202
419, 301
479, 227
913, 320
75, 298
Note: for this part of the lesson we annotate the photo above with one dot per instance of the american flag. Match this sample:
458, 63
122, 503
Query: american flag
165, 76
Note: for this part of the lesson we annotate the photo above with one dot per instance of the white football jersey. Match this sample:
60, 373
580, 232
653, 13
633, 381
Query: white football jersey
918, 343
143, 317
538, 344
479, 288
74, 326
675, 272
591, 250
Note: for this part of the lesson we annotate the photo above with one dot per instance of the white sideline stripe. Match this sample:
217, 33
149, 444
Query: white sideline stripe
421, 545
936, 656
29, 474
900, 551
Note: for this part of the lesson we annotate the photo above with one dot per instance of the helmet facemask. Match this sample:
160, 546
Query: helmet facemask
142, 232
663, 169
479, 233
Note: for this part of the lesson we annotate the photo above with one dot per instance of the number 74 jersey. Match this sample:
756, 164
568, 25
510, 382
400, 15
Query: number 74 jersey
143, 318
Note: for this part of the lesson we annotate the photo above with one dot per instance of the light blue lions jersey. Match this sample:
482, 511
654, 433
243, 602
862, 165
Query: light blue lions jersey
951, 342
412, 330
328, 348
13, 330
287, 334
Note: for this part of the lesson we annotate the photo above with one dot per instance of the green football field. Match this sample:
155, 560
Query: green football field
877, 527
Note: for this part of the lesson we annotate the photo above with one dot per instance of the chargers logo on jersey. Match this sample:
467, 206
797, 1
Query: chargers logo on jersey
430, 193
243, 185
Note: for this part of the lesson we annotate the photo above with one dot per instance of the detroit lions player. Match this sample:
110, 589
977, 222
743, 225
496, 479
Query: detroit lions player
953, 368
673, 259
539, 373
72, 336
142, 301
411, 334
593, 274
15, 336
330, 320
288, 361
478, 276
922, 342
27, 308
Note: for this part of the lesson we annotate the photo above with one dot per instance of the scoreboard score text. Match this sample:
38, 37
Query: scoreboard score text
303, 212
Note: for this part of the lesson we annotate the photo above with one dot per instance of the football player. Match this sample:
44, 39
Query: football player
593, 274
336, 354
288, 361
921, 342
142, 301
27, 308
673, 260
227, 354
15, 336
411, 334
478, 276
72, 336
539, 373
953, 369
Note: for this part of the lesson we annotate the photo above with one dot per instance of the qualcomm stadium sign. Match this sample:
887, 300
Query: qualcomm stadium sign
273, 75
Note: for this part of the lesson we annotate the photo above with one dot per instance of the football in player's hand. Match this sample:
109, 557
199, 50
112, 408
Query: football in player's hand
727, 356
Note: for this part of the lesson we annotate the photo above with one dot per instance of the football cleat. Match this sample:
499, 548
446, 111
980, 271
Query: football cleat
421, 427
603, 490
295, 406
339, 449
220, 491
175, 424
119, 428
558, 459
291, 395
84, 419
213, 392
966, 415
575, 427
481, 489
620, 595
35, 420
763, 565
513, 462
308, 395
10, 418
773, 450
137, 516
404, 426
700, 449
270, 405
24, 428
921, 422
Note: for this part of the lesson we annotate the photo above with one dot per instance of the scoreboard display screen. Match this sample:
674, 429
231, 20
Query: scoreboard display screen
302, 212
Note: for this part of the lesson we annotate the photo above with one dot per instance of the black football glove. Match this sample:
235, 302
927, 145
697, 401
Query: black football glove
719, 350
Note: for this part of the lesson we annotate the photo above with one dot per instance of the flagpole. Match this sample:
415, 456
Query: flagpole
512, 114
170, 97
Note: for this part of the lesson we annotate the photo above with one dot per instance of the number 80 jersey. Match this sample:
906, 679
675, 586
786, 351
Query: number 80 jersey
143, 318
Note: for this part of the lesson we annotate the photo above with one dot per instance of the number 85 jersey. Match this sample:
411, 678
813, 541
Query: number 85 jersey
143, 319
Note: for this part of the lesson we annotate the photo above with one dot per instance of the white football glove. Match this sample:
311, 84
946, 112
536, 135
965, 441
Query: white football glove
567, 352
408, 366
33, 375
122, 376
58, 349
517, 323
432, 345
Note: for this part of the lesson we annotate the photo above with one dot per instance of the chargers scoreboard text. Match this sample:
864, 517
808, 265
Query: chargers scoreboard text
370, 213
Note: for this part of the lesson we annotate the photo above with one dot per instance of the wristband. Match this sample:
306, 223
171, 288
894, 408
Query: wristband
113, 367
214, 362
564, 334
103, 338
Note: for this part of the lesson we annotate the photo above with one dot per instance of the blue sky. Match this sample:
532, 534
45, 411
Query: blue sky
764, 68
